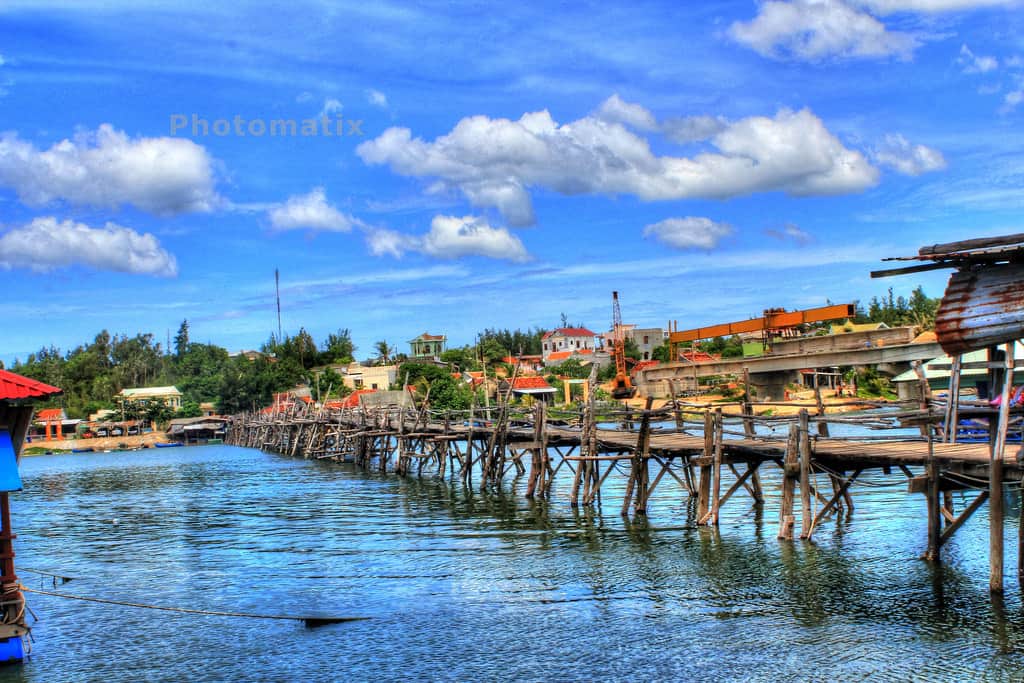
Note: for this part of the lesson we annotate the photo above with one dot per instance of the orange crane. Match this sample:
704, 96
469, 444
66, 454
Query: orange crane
622, 387
773, 320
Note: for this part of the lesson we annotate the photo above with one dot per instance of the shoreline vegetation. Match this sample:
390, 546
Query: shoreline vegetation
93, 373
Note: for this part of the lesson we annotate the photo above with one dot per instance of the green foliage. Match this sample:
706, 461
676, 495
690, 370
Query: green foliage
337, 348
181, 340
157, 412
199, 371
630, 349
870, 384
461, 359
895, 311
446, 392
662, 353
516, 342
189, 409
728, 348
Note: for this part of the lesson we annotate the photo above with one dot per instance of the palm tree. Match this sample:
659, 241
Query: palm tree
383, 351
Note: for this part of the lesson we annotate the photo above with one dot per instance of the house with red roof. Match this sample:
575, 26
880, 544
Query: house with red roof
537, 387
578, 340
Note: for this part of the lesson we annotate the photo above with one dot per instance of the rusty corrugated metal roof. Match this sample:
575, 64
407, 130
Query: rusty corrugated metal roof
982, 307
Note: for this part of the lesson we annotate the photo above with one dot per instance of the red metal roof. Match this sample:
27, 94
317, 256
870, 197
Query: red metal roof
50, 414
643, 365
570, 332
13, 387
531, 383
559, 355
352, 400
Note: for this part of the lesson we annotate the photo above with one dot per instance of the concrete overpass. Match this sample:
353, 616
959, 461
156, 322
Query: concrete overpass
770, 374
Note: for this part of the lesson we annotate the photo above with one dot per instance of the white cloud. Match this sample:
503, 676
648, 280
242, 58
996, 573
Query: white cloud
975, 64
46, 244
932, 6
691, 232
383, 242
1011, 100
616, 110
494, 162
332, 107
377, 98
451, 237
107, 168
686, 129
304, 97
310, 212
899, 154
790, 231
817, 29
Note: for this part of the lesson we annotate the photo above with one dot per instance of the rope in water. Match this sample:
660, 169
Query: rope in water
185, 610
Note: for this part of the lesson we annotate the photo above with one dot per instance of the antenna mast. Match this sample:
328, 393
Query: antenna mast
277, 289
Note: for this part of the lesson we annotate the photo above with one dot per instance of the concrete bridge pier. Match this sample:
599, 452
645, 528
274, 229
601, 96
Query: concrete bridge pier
771, 386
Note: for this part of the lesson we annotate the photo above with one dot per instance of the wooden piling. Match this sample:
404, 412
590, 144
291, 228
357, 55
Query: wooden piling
790, 472
805, 473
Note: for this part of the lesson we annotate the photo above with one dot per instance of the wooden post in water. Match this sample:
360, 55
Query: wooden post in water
790, 471
748, 409
641, 461
934, 511
805, 473
704, 485
536, 463
716, 491
997, 443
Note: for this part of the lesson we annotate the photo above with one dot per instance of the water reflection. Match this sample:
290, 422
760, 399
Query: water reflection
437, 562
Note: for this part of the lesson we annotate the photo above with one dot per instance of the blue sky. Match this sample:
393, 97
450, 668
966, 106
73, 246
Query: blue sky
488, 166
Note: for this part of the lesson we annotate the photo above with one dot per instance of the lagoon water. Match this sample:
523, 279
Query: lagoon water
466, 586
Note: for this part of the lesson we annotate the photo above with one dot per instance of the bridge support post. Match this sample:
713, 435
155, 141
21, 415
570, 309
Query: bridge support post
704, 484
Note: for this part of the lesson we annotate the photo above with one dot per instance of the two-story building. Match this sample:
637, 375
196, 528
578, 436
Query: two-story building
427, 347
170, 396
572, 339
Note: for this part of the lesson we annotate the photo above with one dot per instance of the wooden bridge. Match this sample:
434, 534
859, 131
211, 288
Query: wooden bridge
694, 449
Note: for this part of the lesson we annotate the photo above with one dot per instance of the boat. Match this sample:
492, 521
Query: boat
214, 442
169, 444
87, 449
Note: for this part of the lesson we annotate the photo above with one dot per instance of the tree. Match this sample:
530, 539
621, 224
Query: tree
338, 348
383, 351
181, 339
189, 409
662, 353
491, 349
157, 412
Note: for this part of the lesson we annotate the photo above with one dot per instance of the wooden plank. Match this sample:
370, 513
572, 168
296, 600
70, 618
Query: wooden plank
967, 245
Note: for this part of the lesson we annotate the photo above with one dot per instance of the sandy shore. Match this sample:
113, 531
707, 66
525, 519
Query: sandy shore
112, 443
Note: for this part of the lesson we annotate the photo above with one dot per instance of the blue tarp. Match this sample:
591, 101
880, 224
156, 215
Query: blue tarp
10, 480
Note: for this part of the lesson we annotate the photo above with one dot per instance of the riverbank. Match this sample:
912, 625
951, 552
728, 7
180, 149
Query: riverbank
109, 443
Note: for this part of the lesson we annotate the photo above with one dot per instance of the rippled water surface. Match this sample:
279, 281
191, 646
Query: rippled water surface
461, 585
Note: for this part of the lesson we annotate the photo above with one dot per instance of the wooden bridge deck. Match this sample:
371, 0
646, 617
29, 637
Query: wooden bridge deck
708, 464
